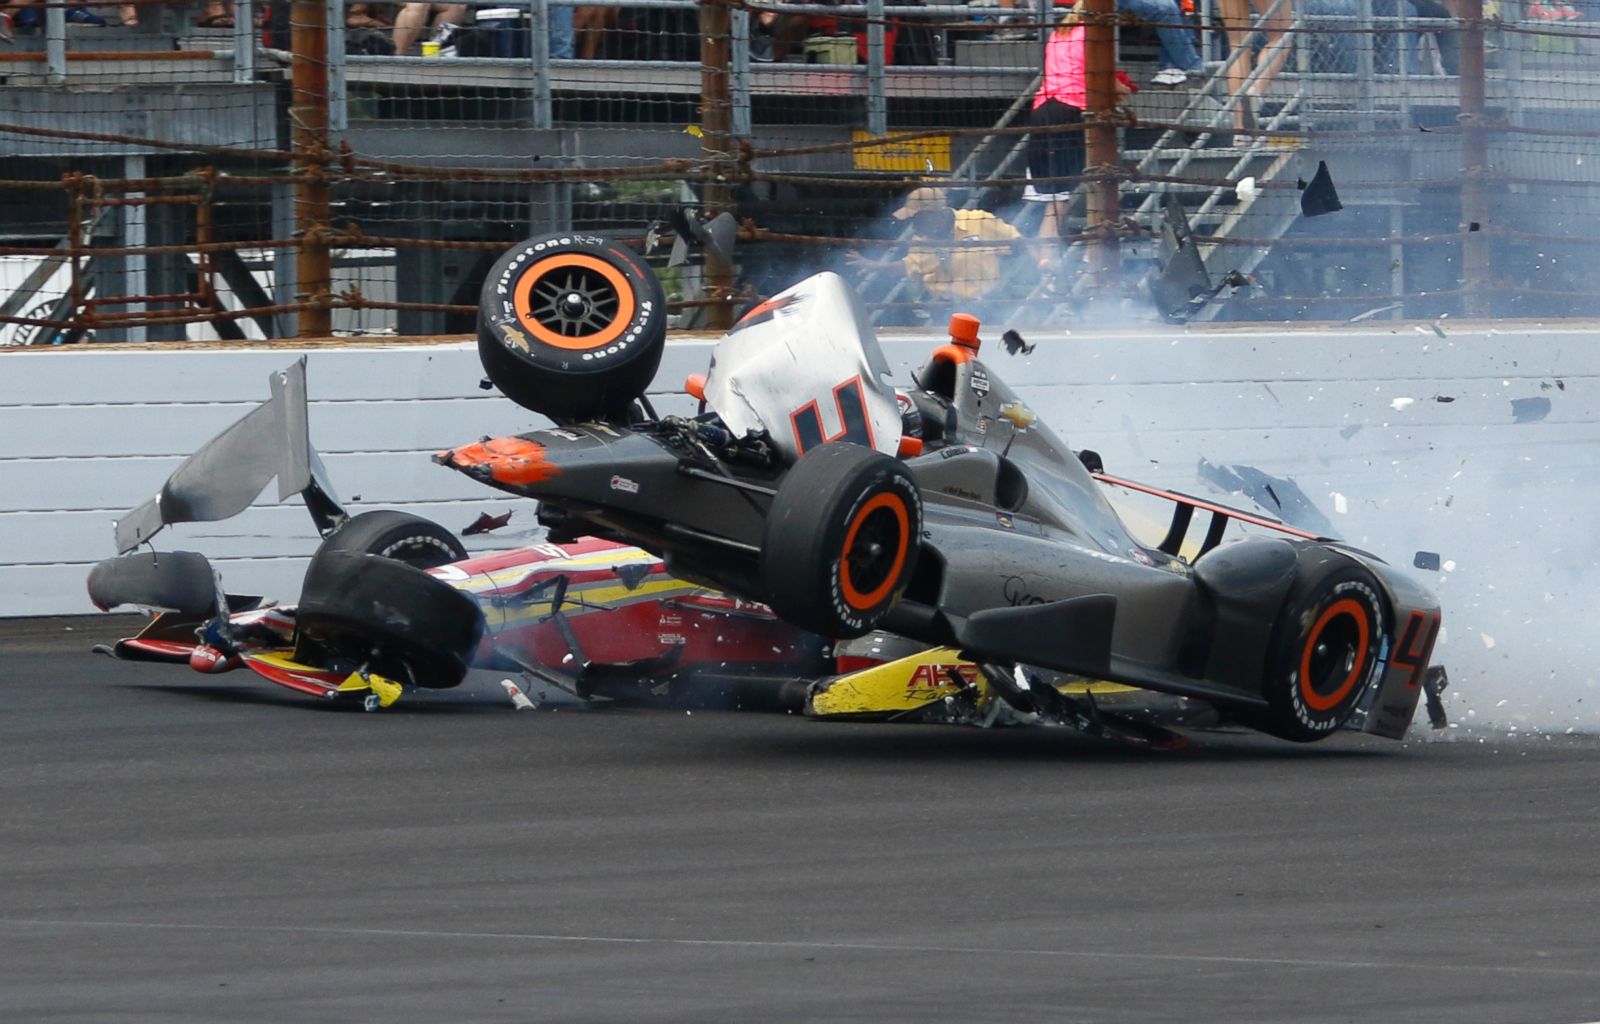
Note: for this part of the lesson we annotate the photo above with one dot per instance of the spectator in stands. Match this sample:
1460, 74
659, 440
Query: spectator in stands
590, 25
564, 26
1179, 58
947, 272
214, 14
1448, 41
22, 14
369, 29
415, 17
1336, 51
773, 36
1239, 17
14, 15
1056, 146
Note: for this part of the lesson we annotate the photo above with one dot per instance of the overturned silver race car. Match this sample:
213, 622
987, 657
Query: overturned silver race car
947, 514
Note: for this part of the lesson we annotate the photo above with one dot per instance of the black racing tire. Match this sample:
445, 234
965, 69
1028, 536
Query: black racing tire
571, 326
1325, 649
401, 536
398, 620
179, 581
841, 540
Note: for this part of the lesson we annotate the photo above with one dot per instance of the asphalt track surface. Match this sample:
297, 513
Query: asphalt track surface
183, 848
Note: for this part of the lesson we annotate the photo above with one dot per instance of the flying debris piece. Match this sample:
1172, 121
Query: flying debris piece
652, 237
485, 522
1351, 431
1488, 643
1427, 561
1437, 330
1281, 496
1341, 504
486, 384
716, 235
1014, 344
1444, 399
1376, 311
1182, 278
1400, 403
1320, 196
1434, 684
633, 574
1246, 189
519, 700
1529, 410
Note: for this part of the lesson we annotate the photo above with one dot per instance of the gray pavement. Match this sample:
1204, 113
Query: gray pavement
182, 848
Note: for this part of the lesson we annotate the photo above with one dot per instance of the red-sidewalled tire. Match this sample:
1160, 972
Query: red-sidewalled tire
571, 326
841, 539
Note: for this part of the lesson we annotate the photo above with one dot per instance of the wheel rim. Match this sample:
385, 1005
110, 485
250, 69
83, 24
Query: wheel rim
875, 549
573, 301
1334, 655
419, 552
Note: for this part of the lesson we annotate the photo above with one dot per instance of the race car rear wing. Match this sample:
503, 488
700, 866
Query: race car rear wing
226, 474
1184, 508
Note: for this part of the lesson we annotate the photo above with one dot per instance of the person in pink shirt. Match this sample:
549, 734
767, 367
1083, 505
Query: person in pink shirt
1056, 146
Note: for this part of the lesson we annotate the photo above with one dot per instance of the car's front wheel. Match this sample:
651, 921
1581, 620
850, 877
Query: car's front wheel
841, 539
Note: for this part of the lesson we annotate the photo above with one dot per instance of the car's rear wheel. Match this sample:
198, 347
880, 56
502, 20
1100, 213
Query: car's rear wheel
841, 540
364, 609
1325, 649
571, 326
401, 536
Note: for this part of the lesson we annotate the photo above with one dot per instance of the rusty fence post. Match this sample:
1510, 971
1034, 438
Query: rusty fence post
1102, 209
717, 147
308, 124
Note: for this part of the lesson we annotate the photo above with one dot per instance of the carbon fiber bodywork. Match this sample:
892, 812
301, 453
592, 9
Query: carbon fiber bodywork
1023, 559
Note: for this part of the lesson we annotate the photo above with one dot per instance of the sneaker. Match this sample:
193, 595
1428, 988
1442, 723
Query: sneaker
761, 46
83, 16
1170, 76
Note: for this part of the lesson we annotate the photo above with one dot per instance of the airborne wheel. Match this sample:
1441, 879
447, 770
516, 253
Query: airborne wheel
571, 326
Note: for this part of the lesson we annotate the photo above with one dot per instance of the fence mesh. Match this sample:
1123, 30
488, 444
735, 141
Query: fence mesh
237, 170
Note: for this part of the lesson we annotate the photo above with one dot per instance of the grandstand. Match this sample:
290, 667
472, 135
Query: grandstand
276, 178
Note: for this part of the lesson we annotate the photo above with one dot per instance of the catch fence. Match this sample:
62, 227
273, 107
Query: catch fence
232, 170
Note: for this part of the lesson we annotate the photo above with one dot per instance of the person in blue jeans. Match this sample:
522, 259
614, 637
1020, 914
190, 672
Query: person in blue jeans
1179, 59
1336, 51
